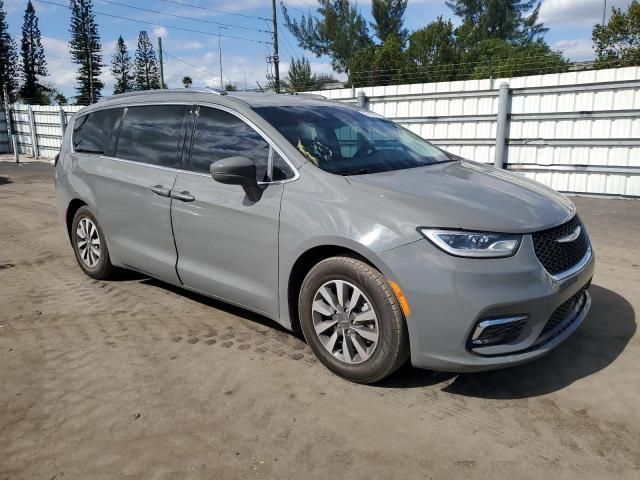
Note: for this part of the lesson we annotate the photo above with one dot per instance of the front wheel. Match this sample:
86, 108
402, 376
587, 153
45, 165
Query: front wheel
352, 321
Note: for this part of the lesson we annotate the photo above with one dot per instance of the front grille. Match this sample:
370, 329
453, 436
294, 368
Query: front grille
557, 257
561, 313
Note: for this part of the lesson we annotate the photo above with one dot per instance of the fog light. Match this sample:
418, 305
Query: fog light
497, 331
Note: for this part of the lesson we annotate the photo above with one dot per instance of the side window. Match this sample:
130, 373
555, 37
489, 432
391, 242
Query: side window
93, 133
219, 135
153, 134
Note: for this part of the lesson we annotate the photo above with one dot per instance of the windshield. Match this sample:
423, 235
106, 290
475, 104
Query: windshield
345, 141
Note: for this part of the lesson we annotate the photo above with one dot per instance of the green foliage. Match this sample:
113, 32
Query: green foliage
147, 70
34, 64
618, 42
338, 31
497, 58
230, 87
122, 69
388, 19
434, 53
385, 64
187, 82
515, 21
8, 58
85, 51
300, 77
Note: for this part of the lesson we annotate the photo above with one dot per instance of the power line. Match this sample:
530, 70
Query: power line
184, 17
213, 9
190, 64
173, 27
300, 10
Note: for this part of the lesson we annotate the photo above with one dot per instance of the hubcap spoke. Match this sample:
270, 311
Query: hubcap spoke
346, 349
322, 307
366, 333
364, 316
324, 326
361, 349
345, 321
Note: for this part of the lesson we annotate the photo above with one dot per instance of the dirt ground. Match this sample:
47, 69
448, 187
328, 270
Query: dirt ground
134, 379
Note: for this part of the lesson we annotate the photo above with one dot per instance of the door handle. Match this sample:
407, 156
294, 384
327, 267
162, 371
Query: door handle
183, 196
160, 190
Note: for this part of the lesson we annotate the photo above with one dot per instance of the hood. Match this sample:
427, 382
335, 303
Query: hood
470, 196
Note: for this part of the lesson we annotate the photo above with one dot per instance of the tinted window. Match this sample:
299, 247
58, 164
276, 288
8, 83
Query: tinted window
221, 135
153, 134
93, 133
346, 141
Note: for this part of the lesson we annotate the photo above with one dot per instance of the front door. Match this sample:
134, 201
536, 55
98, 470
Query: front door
227, 244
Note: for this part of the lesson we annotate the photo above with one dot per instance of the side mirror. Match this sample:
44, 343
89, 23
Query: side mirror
238, 171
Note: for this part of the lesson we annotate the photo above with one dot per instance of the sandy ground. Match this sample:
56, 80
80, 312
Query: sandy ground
133, 379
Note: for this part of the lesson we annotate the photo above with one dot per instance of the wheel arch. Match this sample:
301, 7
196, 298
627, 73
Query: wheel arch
72, 208
307, 260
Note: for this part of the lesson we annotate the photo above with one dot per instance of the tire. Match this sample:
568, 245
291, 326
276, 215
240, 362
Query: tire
366, 361
95, 262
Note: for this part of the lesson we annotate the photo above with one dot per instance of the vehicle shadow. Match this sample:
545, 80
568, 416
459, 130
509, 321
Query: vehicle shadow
213, 303
5, 181
601, 338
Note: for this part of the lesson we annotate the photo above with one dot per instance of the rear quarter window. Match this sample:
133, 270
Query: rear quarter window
94, 132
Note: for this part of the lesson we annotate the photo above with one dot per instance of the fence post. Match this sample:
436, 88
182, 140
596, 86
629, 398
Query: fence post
63, 122
34, 135
361, 99
502, 126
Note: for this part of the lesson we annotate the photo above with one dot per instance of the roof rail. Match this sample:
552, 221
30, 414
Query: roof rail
214, 91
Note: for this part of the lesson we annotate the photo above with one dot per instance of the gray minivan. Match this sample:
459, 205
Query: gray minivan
330, 219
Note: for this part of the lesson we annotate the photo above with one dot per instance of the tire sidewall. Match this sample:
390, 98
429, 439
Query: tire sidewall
373, 285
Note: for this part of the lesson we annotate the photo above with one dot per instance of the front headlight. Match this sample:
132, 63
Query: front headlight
473, 244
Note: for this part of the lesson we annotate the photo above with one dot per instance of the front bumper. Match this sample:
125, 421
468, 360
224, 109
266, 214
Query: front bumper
449, 295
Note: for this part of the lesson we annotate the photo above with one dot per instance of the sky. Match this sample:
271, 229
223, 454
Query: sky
196, 54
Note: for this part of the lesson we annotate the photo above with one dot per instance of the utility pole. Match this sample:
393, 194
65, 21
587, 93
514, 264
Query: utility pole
276, 58
604, 13
161, 65
220, 55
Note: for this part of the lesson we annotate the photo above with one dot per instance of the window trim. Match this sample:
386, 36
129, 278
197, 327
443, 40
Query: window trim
265, 137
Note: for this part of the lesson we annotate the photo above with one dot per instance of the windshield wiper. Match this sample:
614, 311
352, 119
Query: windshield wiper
360, 171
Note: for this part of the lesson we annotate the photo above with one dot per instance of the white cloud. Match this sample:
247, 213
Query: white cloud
577, 12
161, 32
577, 49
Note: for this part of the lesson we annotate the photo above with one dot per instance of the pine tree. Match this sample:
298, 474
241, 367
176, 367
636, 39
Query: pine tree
8, 58
147, 71
515, 21
337, 30
86, 51
122, 69
388, 18
34, 64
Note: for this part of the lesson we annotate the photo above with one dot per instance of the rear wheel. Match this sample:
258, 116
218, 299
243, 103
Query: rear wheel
352, 321
89, 245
